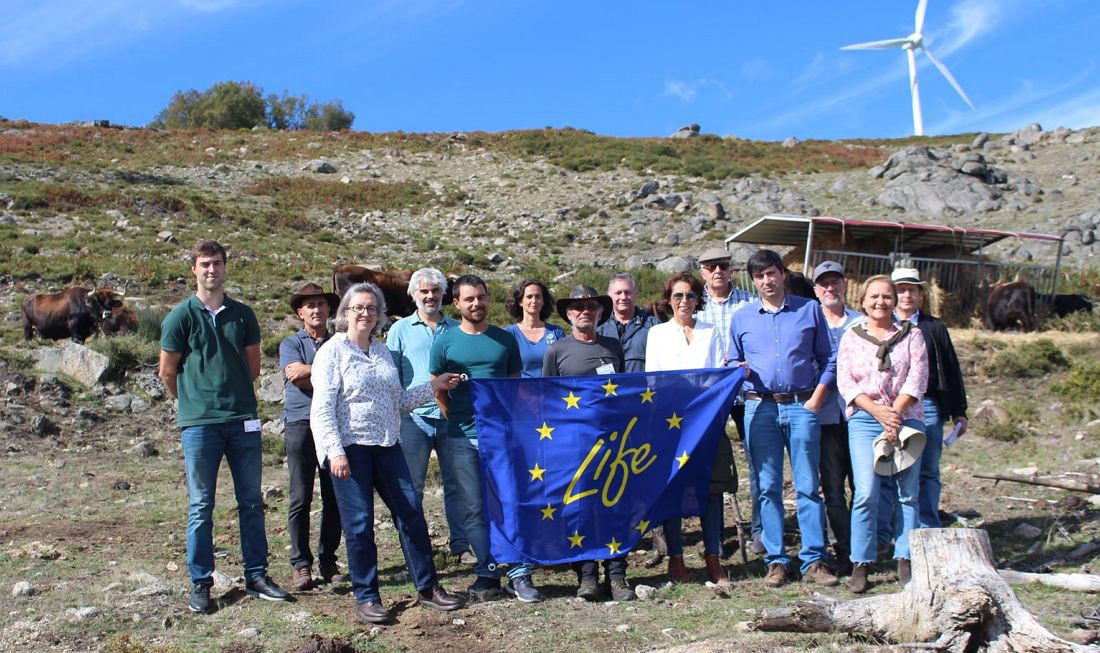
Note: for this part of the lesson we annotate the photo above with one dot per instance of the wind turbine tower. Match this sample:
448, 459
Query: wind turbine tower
911, 44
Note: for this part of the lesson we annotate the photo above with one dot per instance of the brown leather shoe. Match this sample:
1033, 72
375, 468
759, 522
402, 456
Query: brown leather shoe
777, 575
820, 573
859, 582
905, 571
715, 573
374, 613
437, 598
302, 580
677, 571
332, 574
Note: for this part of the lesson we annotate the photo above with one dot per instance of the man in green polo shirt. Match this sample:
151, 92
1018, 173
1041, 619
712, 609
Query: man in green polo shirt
209, 358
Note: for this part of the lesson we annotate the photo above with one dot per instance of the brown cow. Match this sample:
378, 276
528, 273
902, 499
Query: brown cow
121, 322
393, 283
72, 313
1011, 304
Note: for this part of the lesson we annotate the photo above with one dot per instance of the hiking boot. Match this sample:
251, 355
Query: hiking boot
302, 580
677, 571
905, 572
859, 582
777, 575
468, 558
200, 598
484, 589
438, 598
715, 573
620, 590
820, 573
266, 589
332, 574
758, 546
523, 589
589, 589
373, 612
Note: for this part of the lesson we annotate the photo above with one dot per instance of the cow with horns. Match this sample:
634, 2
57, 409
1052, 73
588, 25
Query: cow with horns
75, 313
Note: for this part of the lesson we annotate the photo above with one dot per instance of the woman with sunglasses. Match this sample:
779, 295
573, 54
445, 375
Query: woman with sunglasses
684, 343
357, 401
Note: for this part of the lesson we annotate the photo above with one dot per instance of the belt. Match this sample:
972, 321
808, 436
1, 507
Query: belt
781, 397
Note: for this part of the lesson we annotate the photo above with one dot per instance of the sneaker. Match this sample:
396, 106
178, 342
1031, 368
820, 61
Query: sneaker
302, 580
200, 598
905, 571
589, 589
620, 590
523, 589
758, 546
777, 575
332, 574
820, 573
484, 589
468, 558
265, 588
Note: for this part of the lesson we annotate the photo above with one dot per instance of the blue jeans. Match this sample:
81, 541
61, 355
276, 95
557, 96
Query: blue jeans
929, 498
862, 431
382, 469
770, 428
419, 435
711, 523
203, 449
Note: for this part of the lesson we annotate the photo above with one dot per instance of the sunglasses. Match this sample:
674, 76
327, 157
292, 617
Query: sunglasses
359, 310
680, 296
710, 267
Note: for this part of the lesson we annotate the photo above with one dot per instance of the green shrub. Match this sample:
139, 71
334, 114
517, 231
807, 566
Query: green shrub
127, 354
1081, 383
149, 321
16, 361
1021, 413
270, 345
1029, 360
1079, 322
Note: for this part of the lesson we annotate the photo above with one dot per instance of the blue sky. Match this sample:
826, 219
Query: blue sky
760, 70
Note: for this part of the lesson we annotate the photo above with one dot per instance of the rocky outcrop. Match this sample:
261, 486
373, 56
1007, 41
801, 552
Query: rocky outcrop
74, 360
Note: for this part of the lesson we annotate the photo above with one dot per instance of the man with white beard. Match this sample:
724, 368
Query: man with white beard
410, 341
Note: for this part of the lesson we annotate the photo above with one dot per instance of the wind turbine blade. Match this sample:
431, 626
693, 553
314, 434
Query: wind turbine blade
921, 7
914, 89
877, 45
950, 78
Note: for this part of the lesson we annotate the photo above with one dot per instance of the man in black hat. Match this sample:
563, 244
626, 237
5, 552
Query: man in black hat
313, 306
586, 352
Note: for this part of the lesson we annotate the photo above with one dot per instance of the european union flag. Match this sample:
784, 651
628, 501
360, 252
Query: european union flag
580, 467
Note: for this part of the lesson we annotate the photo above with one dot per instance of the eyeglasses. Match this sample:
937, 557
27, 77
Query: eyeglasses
681, 296
722, 265
359, 310
584, 306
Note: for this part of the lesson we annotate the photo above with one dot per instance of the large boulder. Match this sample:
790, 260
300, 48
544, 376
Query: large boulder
73, 359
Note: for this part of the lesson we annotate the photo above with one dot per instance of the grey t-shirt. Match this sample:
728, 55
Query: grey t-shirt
571, 357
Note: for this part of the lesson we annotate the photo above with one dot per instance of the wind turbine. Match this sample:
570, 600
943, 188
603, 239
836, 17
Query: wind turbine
911, 44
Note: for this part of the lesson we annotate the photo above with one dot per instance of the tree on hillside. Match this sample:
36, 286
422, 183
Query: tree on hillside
241, 105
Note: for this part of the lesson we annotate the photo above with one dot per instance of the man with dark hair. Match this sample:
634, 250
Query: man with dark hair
475, 349
629, 324
209, 358
784, 341
582, 352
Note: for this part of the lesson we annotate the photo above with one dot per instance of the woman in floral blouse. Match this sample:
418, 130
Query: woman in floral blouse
357, 400
882, 372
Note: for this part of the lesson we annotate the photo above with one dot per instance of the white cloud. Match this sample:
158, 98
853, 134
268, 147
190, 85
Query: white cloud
688, 91
685, 91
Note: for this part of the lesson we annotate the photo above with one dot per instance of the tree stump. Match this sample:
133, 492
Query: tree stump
955, 602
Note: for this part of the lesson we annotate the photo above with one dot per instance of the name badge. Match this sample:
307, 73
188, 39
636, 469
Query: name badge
606, 368
251, 425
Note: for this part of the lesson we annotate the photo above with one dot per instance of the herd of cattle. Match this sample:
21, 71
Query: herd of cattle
79, 313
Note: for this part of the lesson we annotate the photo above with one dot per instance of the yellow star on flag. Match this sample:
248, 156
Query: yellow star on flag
614, 545
642, 526
683, 459
548, 512
647, 396
674, 421
610, 388
545, 431
536, 473
572, 401
575, 540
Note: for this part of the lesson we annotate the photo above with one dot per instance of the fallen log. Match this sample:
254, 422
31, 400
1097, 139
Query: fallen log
956, 601
1074, 486
1074, 582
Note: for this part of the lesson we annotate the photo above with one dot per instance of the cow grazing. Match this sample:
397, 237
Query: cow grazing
72, 313
393, 283
1009, 305
121, 322
1063, 305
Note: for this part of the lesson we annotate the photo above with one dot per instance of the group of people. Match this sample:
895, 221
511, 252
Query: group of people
834, 387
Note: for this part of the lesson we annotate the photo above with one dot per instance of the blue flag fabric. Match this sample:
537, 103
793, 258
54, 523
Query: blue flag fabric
579, 468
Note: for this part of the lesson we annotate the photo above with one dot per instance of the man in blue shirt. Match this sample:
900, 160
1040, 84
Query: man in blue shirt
784, 341
410, 341
628, 324
831, 289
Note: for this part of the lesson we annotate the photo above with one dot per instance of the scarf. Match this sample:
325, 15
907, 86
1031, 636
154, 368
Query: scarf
884, 346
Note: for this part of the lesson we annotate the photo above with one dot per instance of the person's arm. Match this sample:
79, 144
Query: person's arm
299, 374
956, 390
442, 396
169, 369
292, 362
252, 355
437, 366
916, 379
322, 411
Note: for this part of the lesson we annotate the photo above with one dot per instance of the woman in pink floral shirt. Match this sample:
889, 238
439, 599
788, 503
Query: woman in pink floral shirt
882, 372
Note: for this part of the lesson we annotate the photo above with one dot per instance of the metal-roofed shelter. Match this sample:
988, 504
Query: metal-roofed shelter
952, 258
